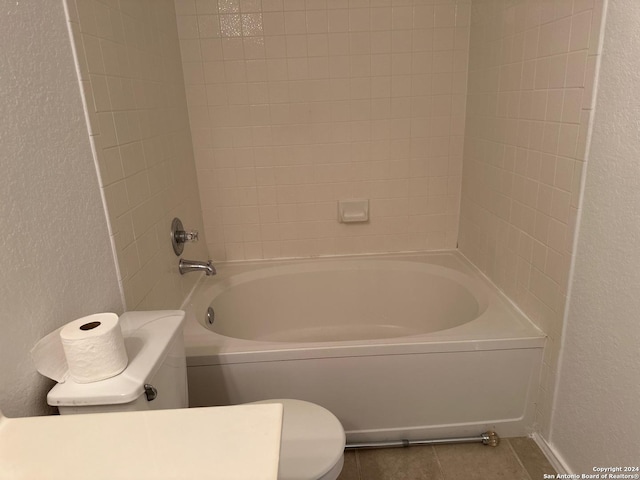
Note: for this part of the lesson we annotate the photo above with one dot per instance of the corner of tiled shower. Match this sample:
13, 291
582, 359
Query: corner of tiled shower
129, 69
531, 96
296, 104
464, 122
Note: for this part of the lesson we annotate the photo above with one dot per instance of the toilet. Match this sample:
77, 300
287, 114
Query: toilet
312, 439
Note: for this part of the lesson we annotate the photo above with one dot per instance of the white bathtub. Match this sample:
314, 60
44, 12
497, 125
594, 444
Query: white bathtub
397, 346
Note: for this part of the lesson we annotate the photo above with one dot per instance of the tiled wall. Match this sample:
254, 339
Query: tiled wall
530, 97
295, 104
128, 60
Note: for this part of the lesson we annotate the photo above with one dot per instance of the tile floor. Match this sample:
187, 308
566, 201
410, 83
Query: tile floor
514, 459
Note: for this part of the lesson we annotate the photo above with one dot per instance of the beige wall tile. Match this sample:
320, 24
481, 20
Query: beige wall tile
529, 102
135, 96
301, 104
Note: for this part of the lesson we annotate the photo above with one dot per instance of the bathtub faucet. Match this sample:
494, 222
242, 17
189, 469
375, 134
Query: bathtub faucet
186, 266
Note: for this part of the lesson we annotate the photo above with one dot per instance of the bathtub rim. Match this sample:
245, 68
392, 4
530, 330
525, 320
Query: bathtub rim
464, 282
501, 326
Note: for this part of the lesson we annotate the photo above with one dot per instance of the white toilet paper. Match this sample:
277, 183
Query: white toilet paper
94, 347
88, 349
48, 357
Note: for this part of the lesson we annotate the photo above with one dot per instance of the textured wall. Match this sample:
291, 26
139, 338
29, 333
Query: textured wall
296, 104
530, 97
56, 257
596, 414
128, 61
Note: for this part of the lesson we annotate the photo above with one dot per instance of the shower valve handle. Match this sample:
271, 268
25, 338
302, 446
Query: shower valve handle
183, 237
180, 236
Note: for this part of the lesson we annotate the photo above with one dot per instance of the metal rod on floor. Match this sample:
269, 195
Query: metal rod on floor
489, 438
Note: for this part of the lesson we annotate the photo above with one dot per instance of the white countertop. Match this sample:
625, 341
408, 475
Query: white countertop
214, 443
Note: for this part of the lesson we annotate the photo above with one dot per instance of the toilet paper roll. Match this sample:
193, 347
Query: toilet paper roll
94, 347
50, 358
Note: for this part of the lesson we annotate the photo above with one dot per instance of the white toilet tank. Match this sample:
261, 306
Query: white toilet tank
155, 377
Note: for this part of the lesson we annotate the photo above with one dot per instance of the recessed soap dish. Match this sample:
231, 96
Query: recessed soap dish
353, 211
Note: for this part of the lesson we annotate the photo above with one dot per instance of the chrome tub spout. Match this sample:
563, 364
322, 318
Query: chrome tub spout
186, 266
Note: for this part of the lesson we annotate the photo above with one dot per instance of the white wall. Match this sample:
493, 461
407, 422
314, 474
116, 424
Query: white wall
596, 419
55, 255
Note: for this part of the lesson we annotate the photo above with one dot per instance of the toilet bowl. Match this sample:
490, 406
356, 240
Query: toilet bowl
312, 439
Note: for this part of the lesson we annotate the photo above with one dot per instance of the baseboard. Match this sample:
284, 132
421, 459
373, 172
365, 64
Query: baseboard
554, 458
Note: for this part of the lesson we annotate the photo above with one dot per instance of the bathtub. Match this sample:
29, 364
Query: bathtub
405, 346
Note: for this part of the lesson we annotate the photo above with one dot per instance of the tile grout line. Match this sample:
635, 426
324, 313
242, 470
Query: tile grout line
435, 454
358, 464
518, 458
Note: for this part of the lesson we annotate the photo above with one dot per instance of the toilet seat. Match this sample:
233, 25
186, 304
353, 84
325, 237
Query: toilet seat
313, 442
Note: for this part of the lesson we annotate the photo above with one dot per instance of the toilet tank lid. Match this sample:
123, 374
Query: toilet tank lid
148, 337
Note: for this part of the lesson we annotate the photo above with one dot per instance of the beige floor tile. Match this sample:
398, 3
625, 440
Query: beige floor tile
413, 463
531, 457
479, 462
350, 468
